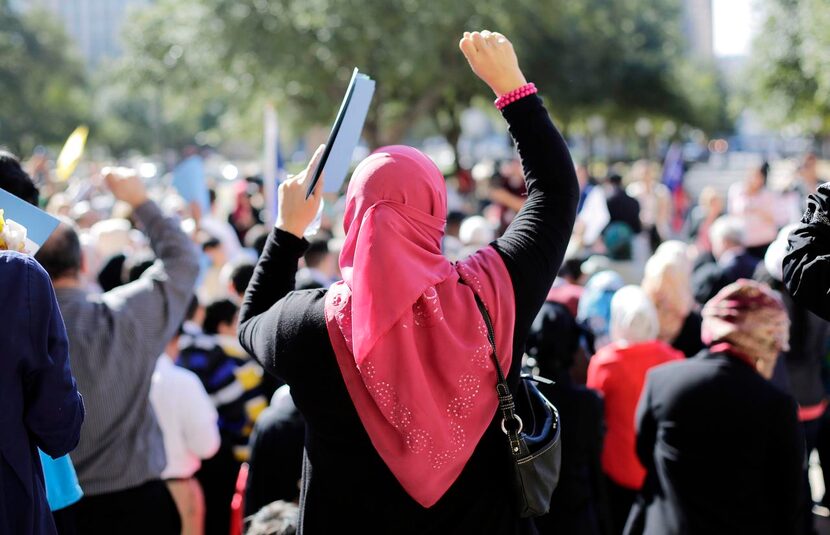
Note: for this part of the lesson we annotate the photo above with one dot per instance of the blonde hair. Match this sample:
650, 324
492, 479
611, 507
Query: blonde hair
667, 282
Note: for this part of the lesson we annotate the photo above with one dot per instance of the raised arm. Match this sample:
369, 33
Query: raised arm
276, 269
534, 245
160, 296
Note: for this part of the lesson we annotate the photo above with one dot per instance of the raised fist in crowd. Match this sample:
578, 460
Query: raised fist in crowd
493, 59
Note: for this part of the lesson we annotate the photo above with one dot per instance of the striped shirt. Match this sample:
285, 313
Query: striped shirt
234, 382
115, 339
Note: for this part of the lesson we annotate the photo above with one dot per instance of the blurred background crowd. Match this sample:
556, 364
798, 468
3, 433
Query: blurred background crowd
233, 437
695, 154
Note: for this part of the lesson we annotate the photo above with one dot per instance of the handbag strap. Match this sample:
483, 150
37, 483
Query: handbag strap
506, 404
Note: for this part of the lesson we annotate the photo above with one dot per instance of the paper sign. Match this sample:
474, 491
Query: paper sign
189, 181
38, 224
345, 134
594, 215
71, 153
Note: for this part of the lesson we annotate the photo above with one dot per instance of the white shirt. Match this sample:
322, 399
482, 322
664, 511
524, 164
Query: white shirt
186, 416
762, 213
222, 231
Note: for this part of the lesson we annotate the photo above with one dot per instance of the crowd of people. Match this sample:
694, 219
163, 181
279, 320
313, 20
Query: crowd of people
229, 376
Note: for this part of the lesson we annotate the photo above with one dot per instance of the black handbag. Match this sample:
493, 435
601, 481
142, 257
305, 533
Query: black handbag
531, 424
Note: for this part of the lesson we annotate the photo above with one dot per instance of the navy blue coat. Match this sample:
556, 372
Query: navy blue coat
40, 406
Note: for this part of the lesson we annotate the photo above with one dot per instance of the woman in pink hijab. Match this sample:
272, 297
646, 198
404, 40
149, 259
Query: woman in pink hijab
391, 366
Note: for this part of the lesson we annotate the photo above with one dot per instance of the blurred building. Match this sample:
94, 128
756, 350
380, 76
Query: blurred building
94, 25
698, 25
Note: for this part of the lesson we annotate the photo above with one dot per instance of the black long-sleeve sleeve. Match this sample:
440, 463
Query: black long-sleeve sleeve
534, 244
273, 279
807, 264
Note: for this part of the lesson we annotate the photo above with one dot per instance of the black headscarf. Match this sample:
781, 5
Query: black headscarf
554, 339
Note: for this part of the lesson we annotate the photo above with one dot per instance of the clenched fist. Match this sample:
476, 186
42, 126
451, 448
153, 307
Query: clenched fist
125, 185
493, 59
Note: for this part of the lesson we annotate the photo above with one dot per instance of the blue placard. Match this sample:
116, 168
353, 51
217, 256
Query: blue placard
345, 134
39, 225
189, 181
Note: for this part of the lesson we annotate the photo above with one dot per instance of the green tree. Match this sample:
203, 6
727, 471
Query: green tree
42, 84
308, 49
626, 55
789, 73
623, 59
169, 86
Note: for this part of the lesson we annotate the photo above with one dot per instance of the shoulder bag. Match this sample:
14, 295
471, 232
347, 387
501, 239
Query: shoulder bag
531, 424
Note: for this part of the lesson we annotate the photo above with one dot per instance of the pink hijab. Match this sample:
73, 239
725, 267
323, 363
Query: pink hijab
409, 339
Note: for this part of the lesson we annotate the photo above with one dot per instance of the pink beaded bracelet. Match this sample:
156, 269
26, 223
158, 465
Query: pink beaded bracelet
516, 94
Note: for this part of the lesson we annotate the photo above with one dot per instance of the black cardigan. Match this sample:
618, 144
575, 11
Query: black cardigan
346, 485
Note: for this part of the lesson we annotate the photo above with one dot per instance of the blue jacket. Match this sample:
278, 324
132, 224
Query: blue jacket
41, 406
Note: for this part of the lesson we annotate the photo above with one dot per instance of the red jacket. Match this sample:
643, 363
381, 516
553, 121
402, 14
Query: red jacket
619, 373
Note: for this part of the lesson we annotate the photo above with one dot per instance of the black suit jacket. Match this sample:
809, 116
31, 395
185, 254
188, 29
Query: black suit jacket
276, 463
709, 279
622, 207
723, 451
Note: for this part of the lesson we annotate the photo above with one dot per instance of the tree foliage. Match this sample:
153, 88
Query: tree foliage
169, 85
789, 74
214, 59
309, 47
624, 60
42, 84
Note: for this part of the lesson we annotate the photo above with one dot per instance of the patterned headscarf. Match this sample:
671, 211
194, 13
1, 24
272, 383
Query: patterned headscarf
751, 319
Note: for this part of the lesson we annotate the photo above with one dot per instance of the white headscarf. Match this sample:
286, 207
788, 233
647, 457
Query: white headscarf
475, 230
633, 317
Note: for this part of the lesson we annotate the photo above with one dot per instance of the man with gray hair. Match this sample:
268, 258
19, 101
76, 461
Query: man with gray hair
115, 339
732, 262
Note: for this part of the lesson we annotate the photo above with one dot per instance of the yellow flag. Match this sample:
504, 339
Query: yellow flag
71, 153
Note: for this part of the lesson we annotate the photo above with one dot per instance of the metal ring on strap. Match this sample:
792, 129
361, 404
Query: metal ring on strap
504, 428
